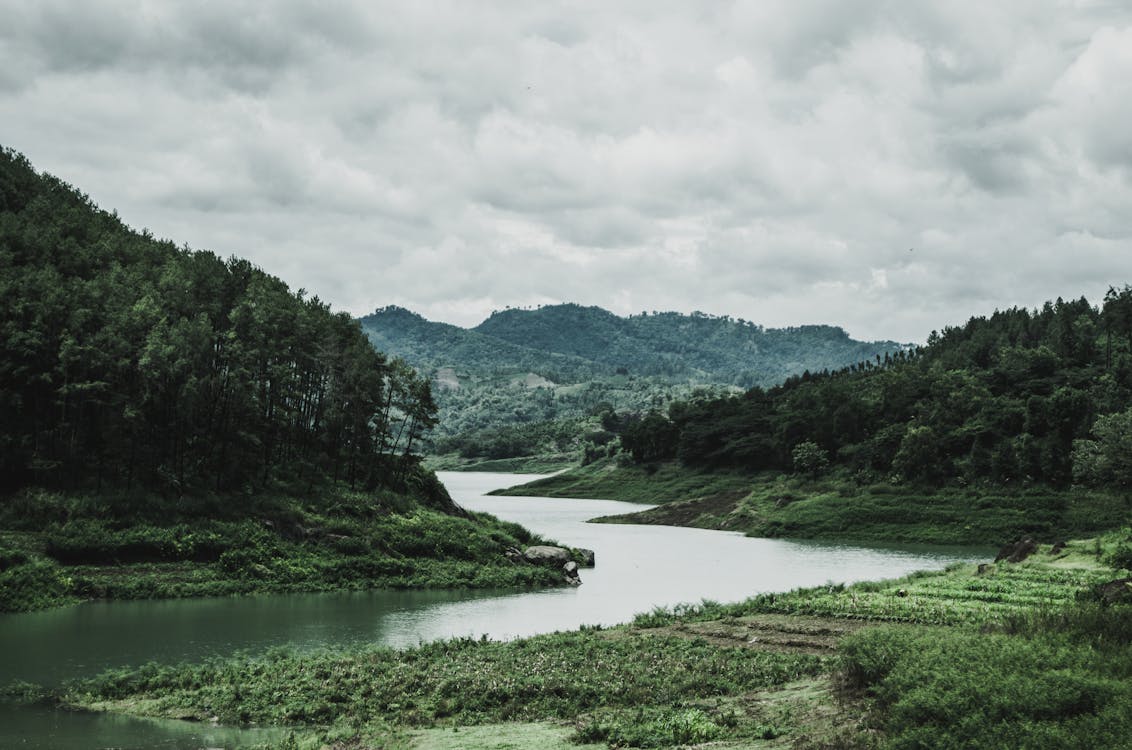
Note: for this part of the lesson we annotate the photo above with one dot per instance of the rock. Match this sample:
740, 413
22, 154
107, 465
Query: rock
902, 593
1115, 592
1017, 551
587, 556
1057, 547
546, 555
983, 568
570, 573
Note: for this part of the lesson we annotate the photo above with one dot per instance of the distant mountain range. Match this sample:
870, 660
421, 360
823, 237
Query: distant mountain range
571, 343
522, 368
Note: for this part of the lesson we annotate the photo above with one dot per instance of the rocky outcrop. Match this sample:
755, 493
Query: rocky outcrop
553, 557
546, 555
585, 557
1017, 551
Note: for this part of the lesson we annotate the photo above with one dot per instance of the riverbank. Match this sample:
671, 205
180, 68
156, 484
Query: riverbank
835, 508
548, 463
58, 549
993, 652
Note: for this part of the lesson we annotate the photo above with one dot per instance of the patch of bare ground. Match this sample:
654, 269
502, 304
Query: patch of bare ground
782, 633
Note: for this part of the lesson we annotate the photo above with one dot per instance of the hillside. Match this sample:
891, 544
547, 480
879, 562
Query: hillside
1013, 424
699, 347
176, 424
538, 382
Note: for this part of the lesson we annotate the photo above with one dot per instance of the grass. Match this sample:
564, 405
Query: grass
1013, 655
602, 683
836, 508
607, 479
59, 549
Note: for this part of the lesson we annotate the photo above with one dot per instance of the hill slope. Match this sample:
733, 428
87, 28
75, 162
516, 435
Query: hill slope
174, 424
1014, 424
529, 382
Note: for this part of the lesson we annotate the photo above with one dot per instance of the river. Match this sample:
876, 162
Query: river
638, 568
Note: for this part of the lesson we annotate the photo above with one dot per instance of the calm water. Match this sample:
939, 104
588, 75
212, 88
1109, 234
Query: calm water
638, 568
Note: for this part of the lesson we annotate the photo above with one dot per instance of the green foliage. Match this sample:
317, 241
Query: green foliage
1051, 688
33, 584
998, 401
561, 364
1106, 460
128, 363
957, 596
176, 548
468, 681
809, 458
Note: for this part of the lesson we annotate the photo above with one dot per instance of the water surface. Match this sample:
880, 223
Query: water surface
638, 568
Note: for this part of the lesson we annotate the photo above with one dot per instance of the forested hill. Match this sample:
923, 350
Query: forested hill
570, 342
430, 346
127, 362
697, 346
175, 424
536, 382
1022, 396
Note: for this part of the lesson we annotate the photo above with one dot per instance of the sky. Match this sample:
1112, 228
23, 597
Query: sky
890, 167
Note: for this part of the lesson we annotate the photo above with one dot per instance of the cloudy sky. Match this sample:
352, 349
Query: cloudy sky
891, 167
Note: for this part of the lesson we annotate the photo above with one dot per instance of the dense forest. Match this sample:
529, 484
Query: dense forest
698, 347
128, 362
174, 424
1022, 396
538, 382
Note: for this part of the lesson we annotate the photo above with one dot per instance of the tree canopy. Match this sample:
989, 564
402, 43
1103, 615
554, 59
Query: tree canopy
126, 361
1017, 397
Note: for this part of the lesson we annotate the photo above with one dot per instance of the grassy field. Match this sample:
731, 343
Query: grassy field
1010, 655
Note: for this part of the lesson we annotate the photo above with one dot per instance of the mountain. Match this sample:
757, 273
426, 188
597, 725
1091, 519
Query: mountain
431, 346
571, 343
699, 347
535, 381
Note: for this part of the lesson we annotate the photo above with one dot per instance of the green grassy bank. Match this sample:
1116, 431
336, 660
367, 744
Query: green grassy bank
57, 549
837, 508
1008, 655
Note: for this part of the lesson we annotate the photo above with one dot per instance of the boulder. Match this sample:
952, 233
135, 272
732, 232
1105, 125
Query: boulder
1115, 592
1057, 547
546, 555
1017, 551
570, 573
587, 556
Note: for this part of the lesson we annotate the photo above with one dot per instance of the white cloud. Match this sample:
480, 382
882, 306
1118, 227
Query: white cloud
893, 167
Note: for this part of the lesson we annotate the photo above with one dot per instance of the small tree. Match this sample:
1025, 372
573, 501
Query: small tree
809, 458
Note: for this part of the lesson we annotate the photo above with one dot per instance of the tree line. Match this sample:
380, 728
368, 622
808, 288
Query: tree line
127, 362
1022, 396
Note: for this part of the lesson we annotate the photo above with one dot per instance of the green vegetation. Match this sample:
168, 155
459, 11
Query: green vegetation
834, 508
535, 382
1044, 681
1017, 424
611, 679
1003, 655
173, 424
61, 548
1015, 399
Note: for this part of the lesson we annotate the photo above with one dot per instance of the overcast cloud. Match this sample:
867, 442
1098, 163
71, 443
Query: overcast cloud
891, 167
